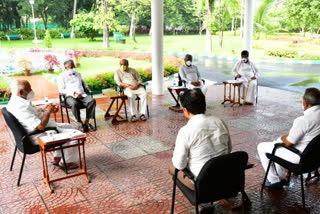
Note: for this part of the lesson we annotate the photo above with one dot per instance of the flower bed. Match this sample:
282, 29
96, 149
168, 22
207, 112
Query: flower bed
106, 80
5, 95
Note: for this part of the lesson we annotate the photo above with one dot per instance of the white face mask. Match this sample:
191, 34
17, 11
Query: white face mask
244, 60
72, 71
188, 63
30, 95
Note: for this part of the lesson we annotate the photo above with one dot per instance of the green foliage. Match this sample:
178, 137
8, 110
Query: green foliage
3, 83
5, 94
282, 53
47, 40
84, 22
2, 36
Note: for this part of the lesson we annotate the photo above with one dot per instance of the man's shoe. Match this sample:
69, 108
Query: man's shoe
85, 128
277, 185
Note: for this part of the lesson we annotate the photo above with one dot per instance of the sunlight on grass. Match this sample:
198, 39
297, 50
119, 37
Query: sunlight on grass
290, 74
3, 83
307, 82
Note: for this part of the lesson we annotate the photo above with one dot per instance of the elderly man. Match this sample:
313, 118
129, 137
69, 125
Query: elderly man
245, 71
203, 138
190, 74
74, 87
304, 129
32, 118
130, 80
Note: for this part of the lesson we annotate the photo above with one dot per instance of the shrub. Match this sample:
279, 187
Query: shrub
5, 94
310, 57
47, 40
282, 53
2, 36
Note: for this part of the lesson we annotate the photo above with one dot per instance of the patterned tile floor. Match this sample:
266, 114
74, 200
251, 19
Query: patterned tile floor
127, 162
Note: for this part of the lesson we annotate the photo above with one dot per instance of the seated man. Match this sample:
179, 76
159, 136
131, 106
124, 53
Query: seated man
304, 129
245, 71
74, 87
130, 80
202, 139
32, 118
190, 74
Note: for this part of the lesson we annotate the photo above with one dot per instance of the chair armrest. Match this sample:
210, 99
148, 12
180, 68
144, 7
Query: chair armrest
292, 149
189, 174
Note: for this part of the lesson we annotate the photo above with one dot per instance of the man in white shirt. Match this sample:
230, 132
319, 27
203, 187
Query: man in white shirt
130, 80
74, 87
190, 74
303, 130
32, 118
203, 138
245, 71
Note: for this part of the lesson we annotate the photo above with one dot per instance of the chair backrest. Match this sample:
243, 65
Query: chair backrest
180, 82
17, 130
222, 177
310, 157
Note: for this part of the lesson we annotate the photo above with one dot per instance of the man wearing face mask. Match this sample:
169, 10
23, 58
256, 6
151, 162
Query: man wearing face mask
74, 87
245, 71
32, 118
130, 80
303, 130
190, 74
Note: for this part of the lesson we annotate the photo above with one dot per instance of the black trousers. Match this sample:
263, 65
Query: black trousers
77, 103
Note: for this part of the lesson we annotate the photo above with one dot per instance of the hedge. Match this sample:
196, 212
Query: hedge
28, 34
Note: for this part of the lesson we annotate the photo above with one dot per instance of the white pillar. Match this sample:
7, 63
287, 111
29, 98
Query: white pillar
248, 25
157, 46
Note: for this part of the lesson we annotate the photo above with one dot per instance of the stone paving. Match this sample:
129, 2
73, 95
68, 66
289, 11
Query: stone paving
127, 162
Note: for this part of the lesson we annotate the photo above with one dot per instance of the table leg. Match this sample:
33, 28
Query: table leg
85, 164
107, 112
234, 96
224, 93
42, 161
239, 96
80, 161
175, 99
47, 179
114, 119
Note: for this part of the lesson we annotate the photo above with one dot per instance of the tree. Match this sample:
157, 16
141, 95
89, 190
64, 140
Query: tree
84, 22
260, 16
104, 19
134, 9
204, 10
74, 13
234, 9
47, 40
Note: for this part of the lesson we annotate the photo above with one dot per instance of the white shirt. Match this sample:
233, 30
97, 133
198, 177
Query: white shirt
246, 70
201, 139
189, 74
131, 76
28, 115
69, 84
305, 128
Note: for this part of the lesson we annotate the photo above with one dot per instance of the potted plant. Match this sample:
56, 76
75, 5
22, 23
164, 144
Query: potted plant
74, 55
51, 61
25, 64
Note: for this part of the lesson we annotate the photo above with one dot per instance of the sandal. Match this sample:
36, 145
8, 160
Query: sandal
69, 166
143, 118
133, 118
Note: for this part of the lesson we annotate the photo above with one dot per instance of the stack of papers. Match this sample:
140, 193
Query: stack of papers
62, 136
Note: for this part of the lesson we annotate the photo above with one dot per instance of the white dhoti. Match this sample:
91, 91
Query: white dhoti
70, 154
248, 90
132, 95
277, 173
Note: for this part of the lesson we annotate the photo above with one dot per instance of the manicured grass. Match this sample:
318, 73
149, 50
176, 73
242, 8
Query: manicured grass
307, 82
91, 66
232, 45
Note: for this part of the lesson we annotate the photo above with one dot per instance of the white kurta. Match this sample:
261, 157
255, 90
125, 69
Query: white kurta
303, 130
200, 140
248, 91
30, 117
191, 74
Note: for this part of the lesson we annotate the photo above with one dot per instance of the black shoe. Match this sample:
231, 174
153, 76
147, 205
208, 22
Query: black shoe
85, 128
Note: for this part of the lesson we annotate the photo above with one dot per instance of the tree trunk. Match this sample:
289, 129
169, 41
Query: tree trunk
232, 25
241, 19
318, 31
200, 28
132, 33
106, 43
208, 41
72, 36
46, 19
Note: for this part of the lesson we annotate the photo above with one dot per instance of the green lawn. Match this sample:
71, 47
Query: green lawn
3, 83
232, 45
91, 66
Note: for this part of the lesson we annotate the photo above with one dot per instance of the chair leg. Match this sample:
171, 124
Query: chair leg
21, 169
302, 191
174, 191
14, 156
64, 160
68, 115
148, 110
61, 110
265, 177
289, 177
196, 208
125, 110
95, 122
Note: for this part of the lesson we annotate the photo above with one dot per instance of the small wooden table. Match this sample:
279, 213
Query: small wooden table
178, 90
46, 147
122, 98
230, 98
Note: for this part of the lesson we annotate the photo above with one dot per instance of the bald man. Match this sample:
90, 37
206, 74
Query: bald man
130, 80
32, 118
